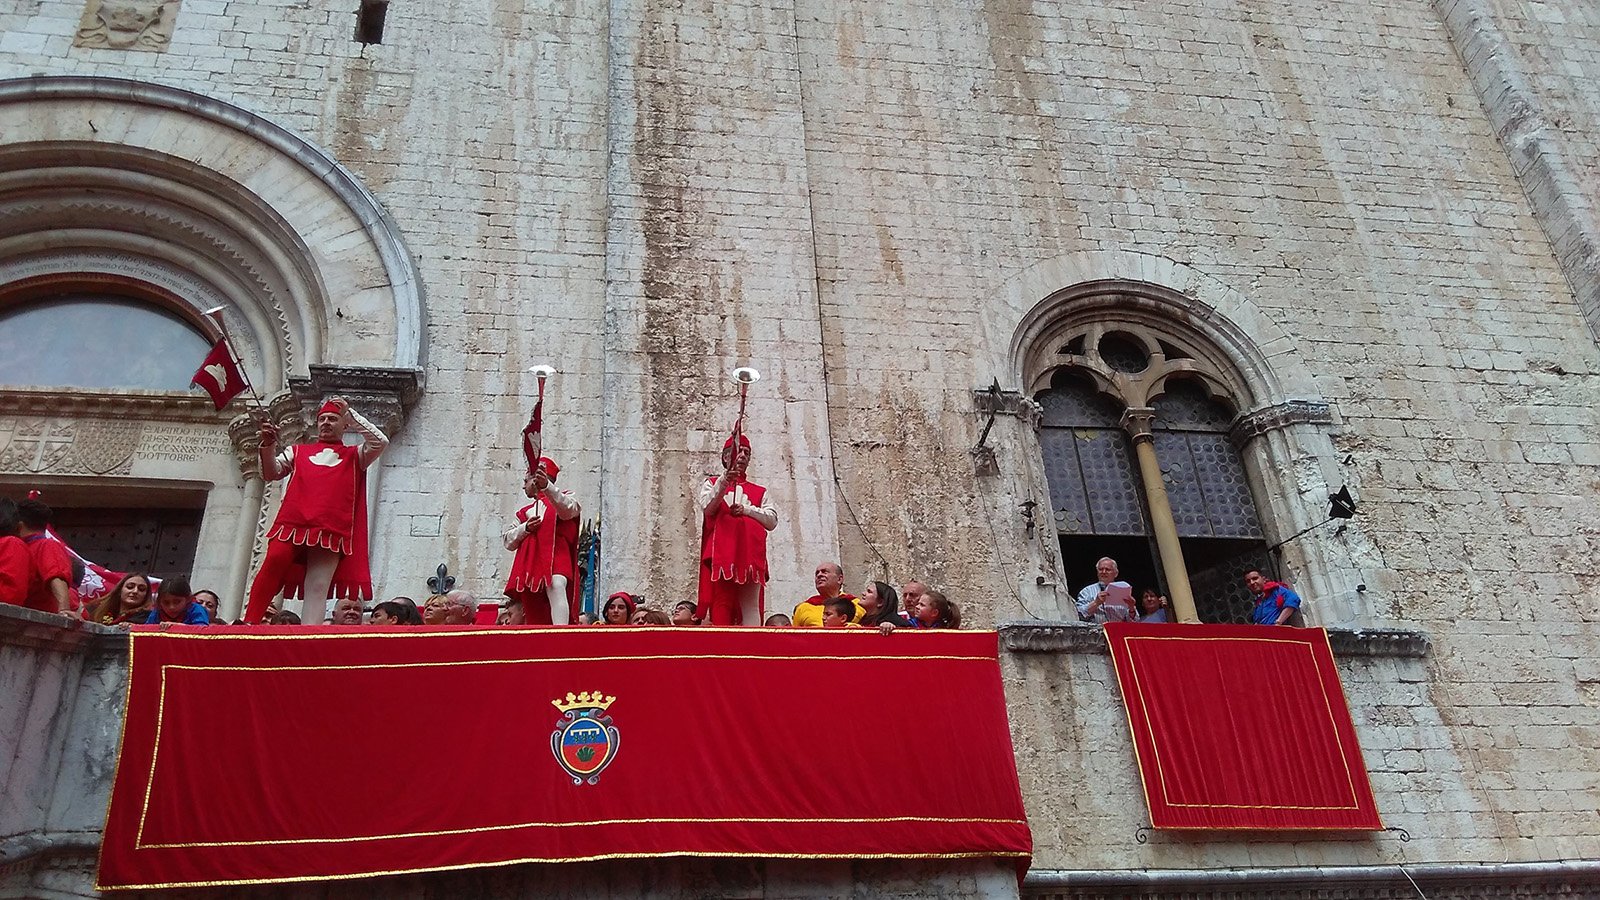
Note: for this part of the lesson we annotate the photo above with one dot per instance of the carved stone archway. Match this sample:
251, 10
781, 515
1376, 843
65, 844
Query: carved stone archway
206, 205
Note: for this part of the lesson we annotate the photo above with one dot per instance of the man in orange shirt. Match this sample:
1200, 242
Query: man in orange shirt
830, 585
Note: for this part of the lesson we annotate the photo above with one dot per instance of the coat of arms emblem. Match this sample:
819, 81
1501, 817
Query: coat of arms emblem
585, 741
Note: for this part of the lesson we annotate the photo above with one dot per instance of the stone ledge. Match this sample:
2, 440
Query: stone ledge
23, 627
1037, 636
20, 848
1372, 882
111, 403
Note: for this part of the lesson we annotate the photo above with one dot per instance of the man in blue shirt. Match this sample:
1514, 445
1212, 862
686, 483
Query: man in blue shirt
1275, 603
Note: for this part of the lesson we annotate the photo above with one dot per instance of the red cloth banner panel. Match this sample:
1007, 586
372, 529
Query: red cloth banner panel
668, 742
1241, 727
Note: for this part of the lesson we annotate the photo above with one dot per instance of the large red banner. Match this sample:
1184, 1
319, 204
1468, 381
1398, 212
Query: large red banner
282, 754
1241, 727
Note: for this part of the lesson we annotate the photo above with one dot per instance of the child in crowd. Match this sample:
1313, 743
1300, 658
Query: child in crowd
390, 612
175, 605
646, 615
935, 610
838, 612
777, 620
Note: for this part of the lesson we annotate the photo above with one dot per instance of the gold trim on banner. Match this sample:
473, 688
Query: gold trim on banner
569, 659
992, 854
1344, 759
122, 739
155, 753
161, 713
517, 826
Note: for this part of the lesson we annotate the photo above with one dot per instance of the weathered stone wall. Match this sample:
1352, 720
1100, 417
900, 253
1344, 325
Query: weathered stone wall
1559, 47
844, 194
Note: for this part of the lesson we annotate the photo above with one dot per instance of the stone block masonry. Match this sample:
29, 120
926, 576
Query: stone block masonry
646, 193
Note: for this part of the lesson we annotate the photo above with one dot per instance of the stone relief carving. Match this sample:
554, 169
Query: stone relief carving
35, 445
105, 447
93, 446
127, 24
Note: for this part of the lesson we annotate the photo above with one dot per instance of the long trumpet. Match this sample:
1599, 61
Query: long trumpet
744, 376
533, 432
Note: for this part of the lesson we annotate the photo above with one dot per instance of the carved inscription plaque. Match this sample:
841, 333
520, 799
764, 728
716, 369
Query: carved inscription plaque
182, 443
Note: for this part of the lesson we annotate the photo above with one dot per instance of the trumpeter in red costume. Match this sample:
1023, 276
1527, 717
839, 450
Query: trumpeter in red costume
317, 546
544, 573
733, 542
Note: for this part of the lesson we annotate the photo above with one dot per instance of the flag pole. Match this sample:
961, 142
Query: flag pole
215, 315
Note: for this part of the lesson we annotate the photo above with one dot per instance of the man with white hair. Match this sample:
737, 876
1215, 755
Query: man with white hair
455, 608
1107, 599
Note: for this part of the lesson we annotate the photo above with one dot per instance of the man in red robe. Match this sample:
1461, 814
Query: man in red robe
733, 541
317, 546
544, 573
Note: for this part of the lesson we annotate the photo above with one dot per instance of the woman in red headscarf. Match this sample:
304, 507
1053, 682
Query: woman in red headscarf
545, 539
619, 609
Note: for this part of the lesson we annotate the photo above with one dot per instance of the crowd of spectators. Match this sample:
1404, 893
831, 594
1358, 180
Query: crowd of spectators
36, 571
1108, 599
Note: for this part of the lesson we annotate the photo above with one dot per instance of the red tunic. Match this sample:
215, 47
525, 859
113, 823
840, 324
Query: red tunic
552, 549
735, 546
50, 560
16, 570
325, 506
732, 548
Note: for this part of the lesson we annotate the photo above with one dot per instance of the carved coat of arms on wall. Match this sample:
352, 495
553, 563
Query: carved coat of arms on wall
127, 24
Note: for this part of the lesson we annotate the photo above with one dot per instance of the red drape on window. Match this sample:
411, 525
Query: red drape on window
1241, 727
693, 742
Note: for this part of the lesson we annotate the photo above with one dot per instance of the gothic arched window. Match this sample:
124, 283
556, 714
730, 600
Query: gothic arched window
1112, 388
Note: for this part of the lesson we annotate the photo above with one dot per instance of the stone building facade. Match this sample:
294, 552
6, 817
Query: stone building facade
1366, 231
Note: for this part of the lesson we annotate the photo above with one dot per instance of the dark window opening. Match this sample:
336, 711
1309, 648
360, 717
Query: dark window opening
1123, 354
369, 21
122, 525
160, 542
1136, 556
1216, 575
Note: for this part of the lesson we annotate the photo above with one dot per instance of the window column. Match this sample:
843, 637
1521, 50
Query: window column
1138, 421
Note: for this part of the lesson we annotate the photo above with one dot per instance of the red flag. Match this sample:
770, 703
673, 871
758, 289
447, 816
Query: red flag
219, 375
95, 580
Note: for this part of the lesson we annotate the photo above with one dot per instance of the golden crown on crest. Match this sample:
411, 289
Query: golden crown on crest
585, 700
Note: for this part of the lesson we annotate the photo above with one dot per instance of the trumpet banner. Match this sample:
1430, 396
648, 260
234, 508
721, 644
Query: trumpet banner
614, 742
1241, 727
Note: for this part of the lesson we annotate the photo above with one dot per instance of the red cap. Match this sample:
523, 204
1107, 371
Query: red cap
743, 442
551, 470
328, 406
